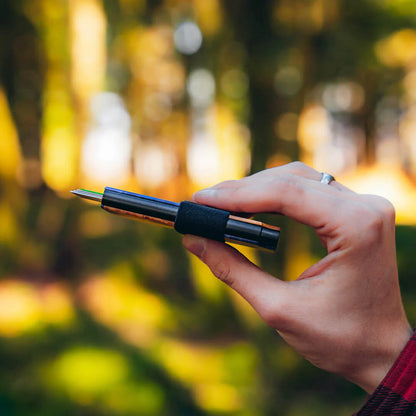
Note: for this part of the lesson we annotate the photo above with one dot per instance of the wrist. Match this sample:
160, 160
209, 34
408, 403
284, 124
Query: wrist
383, 358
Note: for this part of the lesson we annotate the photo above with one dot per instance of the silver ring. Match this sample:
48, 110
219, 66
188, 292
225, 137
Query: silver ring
326, 178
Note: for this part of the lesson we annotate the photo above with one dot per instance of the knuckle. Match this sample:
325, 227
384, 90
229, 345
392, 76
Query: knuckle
238, 200
375, 224
221, 264
225, 185
284, 180
230, 182
382, 209
297, 165
301, 168
371, 216
287, 182
222, 271
387, 209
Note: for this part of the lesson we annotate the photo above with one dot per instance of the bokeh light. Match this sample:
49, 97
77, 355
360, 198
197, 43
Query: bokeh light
188, 38
9, 145
201, 87
88, 52
101, 315
288, 81
124, 306
25, 308
154, 165
344, 96
87, 373
107, 148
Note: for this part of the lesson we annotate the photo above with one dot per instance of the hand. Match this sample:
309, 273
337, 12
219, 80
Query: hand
344, 314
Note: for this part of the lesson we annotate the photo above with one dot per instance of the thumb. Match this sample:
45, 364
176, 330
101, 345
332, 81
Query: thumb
264, 292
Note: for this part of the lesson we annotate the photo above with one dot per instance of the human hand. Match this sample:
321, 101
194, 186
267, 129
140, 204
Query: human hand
344, 314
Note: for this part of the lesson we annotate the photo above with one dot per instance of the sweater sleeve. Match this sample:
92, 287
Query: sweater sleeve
396, 395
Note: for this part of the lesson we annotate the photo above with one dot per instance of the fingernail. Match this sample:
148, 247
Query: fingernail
205, 194
195, 245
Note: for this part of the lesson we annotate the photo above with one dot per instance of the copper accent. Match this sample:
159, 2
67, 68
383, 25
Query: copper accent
254, 222
140, 217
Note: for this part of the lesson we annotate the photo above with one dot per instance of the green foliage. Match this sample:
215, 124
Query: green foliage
129, 330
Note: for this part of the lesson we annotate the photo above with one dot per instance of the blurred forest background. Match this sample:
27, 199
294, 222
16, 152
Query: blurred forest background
100, 315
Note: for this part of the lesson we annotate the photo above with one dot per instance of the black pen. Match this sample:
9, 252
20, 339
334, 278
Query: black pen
187, 217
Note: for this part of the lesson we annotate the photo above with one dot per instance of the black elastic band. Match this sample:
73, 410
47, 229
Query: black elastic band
201, 220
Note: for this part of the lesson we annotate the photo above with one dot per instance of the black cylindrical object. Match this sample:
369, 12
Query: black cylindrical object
191, 218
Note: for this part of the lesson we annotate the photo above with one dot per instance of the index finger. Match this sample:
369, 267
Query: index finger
292, 195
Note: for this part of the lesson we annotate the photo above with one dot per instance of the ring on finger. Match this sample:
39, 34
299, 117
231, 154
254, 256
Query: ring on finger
326, 178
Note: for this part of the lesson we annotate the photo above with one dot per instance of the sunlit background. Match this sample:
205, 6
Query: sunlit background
100, 315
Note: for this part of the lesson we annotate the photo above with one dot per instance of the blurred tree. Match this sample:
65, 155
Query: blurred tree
22, 73
132, 298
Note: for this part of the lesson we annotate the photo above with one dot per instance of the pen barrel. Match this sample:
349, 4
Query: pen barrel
252, 233
141, 207
220, 225
191, 218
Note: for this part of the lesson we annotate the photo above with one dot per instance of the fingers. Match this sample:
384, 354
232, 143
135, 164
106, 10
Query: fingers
294, 168
288, 194
293, 190
264, 292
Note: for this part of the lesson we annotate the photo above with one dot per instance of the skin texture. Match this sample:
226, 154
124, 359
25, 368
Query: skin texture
344, 314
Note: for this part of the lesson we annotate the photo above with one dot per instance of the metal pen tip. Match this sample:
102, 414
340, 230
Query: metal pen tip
90, 195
